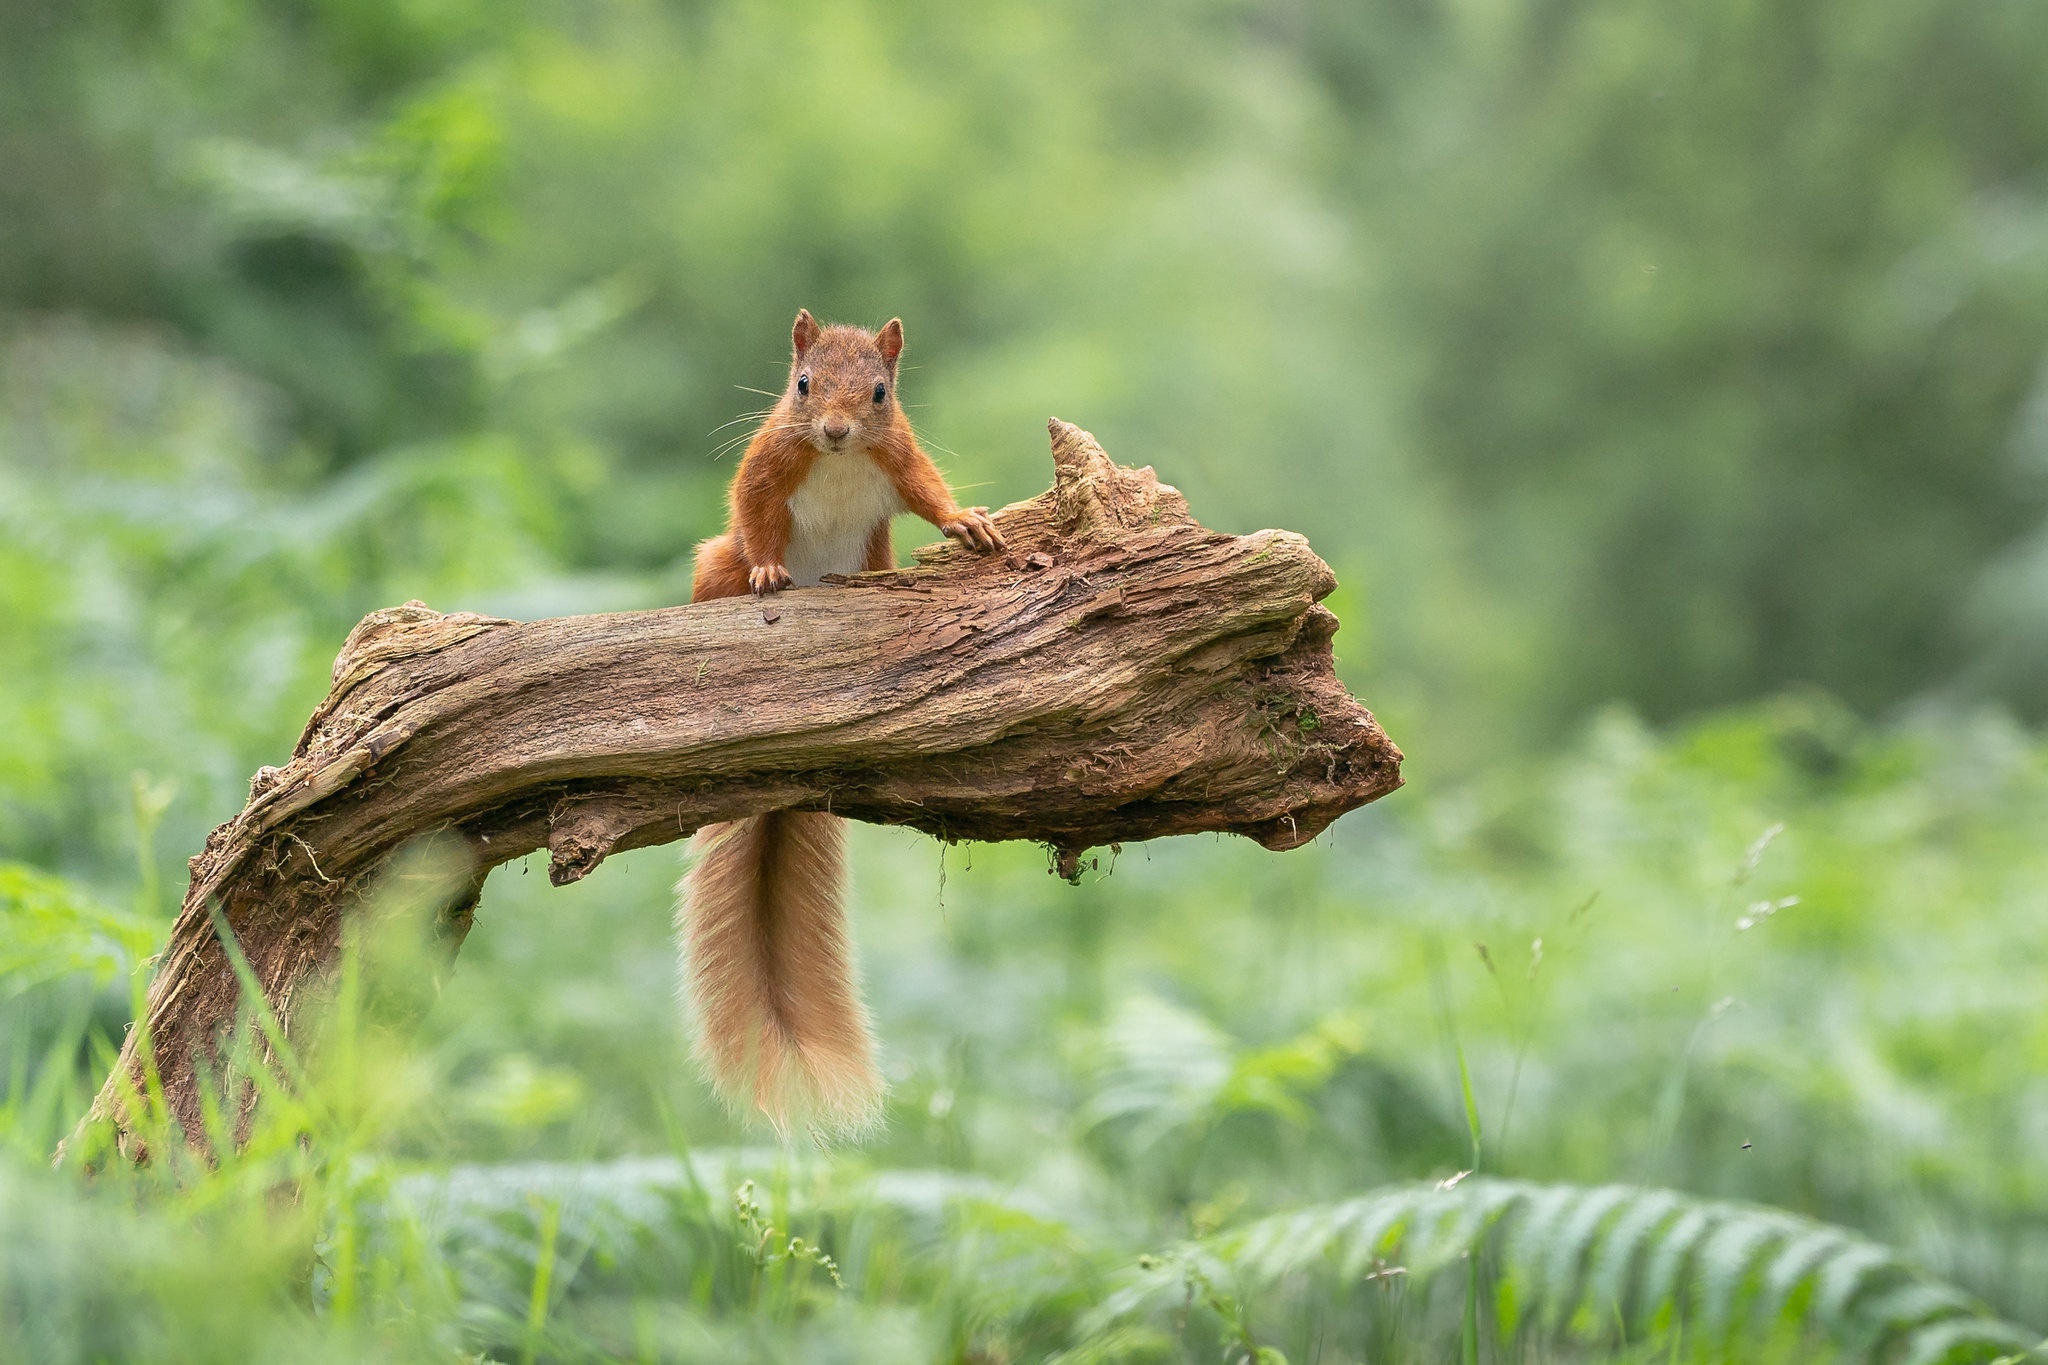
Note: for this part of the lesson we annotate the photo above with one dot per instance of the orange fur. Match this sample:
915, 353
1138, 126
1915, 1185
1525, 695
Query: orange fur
780, 1022
721, 571
881, 550
841, 365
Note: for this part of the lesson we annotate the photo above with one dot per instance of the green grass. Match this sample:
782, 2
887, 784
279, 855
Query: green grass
1213, 1106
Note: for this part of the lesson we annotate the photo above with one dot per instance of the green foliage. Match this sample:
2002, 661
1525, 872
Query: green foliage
1740, 302
1613, 1262
173, 599
1671, 358
50, 931
1679, 364
534, 1172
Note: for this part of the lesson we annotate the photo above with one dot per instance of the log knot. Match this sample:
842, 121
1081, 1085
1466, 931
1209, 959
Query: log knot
384, 637
582, 833
1097, 498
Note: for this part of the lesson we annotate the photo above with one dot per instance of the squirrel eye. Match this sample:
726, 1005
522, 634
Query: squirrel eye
803, 386
881, 392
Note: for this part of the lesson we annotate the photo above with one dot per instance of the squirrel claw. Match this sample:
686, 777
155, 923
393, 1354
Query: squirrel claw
767, 578
975, 529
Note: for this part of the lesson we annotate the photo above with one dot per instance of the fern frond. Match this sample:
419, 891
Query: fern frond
1599, 1261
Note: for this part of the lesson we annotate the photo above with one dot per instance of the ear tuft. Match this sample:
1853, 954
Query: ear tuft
805, 332
890, 339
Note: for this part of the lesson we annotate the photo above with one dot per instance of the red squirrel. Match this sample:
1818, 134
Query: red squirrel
770, 966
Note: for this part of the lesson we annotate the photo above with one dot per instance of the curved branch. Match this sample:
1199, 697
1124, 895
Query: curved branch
1120, 673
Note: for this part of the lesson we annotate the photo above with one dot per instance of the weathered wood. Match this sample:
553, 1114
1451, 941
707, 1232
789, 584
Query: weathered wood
1120, 673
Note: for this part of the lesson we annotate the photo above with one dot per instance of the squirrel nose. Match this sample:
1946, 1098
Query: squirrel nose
836, 428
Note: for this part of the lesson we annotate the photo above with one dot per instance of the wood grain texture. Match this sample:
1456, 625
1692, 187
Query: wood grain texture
1120, 673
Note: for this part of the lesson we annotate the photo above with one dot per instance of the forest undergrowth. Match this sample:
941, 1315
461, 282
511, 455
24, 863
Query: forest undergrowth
1655, 1051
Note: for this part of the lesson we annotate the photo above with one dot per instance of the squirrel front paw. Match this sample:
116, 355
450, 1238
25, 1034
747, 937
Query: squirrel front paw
767, 578
974, 528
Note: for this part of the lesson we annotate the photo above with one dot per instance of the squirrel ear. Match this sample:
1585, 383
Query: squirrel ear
805, 332
890, 339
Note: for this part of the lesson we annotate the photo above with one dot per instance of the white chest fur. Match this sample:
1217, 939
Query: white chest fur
833, 513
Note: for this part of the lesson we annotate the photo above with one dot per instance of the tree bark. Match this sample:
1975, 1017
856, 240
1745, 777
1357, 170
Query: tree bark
1120, 673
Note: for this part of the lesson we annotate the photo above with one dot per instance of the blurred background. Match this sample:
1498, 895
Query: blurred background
1665, 383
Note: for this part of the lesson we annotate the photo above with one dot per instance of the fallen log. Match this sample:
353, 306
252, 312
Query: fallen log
1120, 673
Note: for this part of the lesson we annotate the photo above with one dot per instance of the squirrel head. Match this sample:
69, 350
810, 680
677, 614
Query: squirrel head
842, 382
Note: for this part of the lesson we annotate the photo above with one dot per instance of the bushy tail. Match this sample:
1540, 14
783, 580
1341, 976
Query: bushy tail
770, 970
